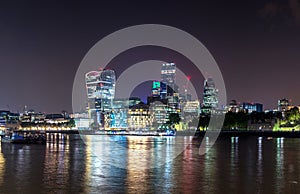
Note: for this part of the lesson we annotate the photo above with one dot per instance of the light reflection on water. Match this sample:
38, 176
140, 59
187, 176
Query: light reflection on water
279, 163
2, 167
138, 152
233, 165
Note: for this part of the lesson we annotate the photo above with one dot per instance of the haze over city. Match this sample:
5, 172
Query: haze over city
255, 43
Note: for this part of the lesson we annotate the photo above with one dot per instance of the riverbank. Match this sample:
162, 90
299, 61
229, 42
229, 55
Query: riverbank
295, 134
52, 131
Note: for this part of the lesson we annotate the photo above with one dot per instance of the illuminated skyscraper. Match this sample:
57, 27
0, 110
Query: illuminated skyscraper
168, 72
210, 97
159, 89
100, 87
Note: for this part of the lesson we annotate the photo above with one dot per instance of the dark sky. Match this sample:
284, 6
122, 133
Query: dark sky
255, 43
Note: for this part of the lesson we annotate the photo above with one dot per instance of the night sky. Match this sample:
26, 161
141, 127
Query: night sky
255, 43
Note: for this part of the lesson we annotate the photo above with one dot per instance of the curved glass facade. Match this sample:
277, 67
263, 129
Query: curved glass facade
100, 87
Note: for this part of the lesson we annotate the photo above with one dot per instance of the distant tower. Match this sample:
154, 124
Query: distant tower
210, 96
283, 105
168, 72
233, 106
159, 89
25, 110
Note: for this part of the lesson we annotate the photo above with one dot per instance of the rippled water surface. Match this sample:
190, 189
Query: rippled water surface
67, 164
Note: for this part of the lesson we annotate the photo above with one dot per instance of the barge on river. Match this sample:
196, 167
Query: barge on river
21, 137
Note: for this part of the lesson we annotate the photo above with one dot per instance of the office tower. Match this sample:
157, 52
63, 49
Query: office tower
168, 72
100, 87
159, 89
210, 97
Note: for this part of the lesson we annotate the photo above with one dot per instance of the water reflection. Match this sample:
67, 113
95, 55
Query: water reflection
188, 169
207, 165
260, 160
57, 160
2, 165
234, 153
140, 152
279, 163
66, 164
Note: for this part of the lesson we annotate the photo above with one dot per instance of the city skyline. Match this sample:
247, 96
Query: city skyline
254, 43
149, 96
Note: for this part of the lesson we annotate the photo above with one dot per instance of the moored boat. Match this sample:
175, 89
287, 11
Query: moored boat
23, 138
18, 138
6, 139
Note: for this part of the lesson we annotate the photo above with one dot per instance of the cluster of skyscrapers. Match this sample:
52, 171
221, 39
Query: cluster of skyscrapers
104, 111
107, 112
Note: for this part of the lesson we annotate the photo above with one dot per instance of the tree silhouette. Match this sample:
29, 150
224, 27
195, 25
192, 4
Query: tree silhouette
174, 118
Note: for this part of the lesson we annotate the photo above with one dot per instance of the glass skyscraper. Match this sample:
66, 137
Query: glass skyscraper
210, 97
168, 72
159, 89
100, 87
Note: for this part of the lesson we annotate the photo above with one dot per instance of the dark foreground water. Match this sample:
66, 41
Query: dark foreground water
233, 165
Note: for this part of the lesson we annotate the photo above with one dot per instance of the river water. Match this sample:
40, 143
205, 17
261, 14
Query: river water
67, 164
